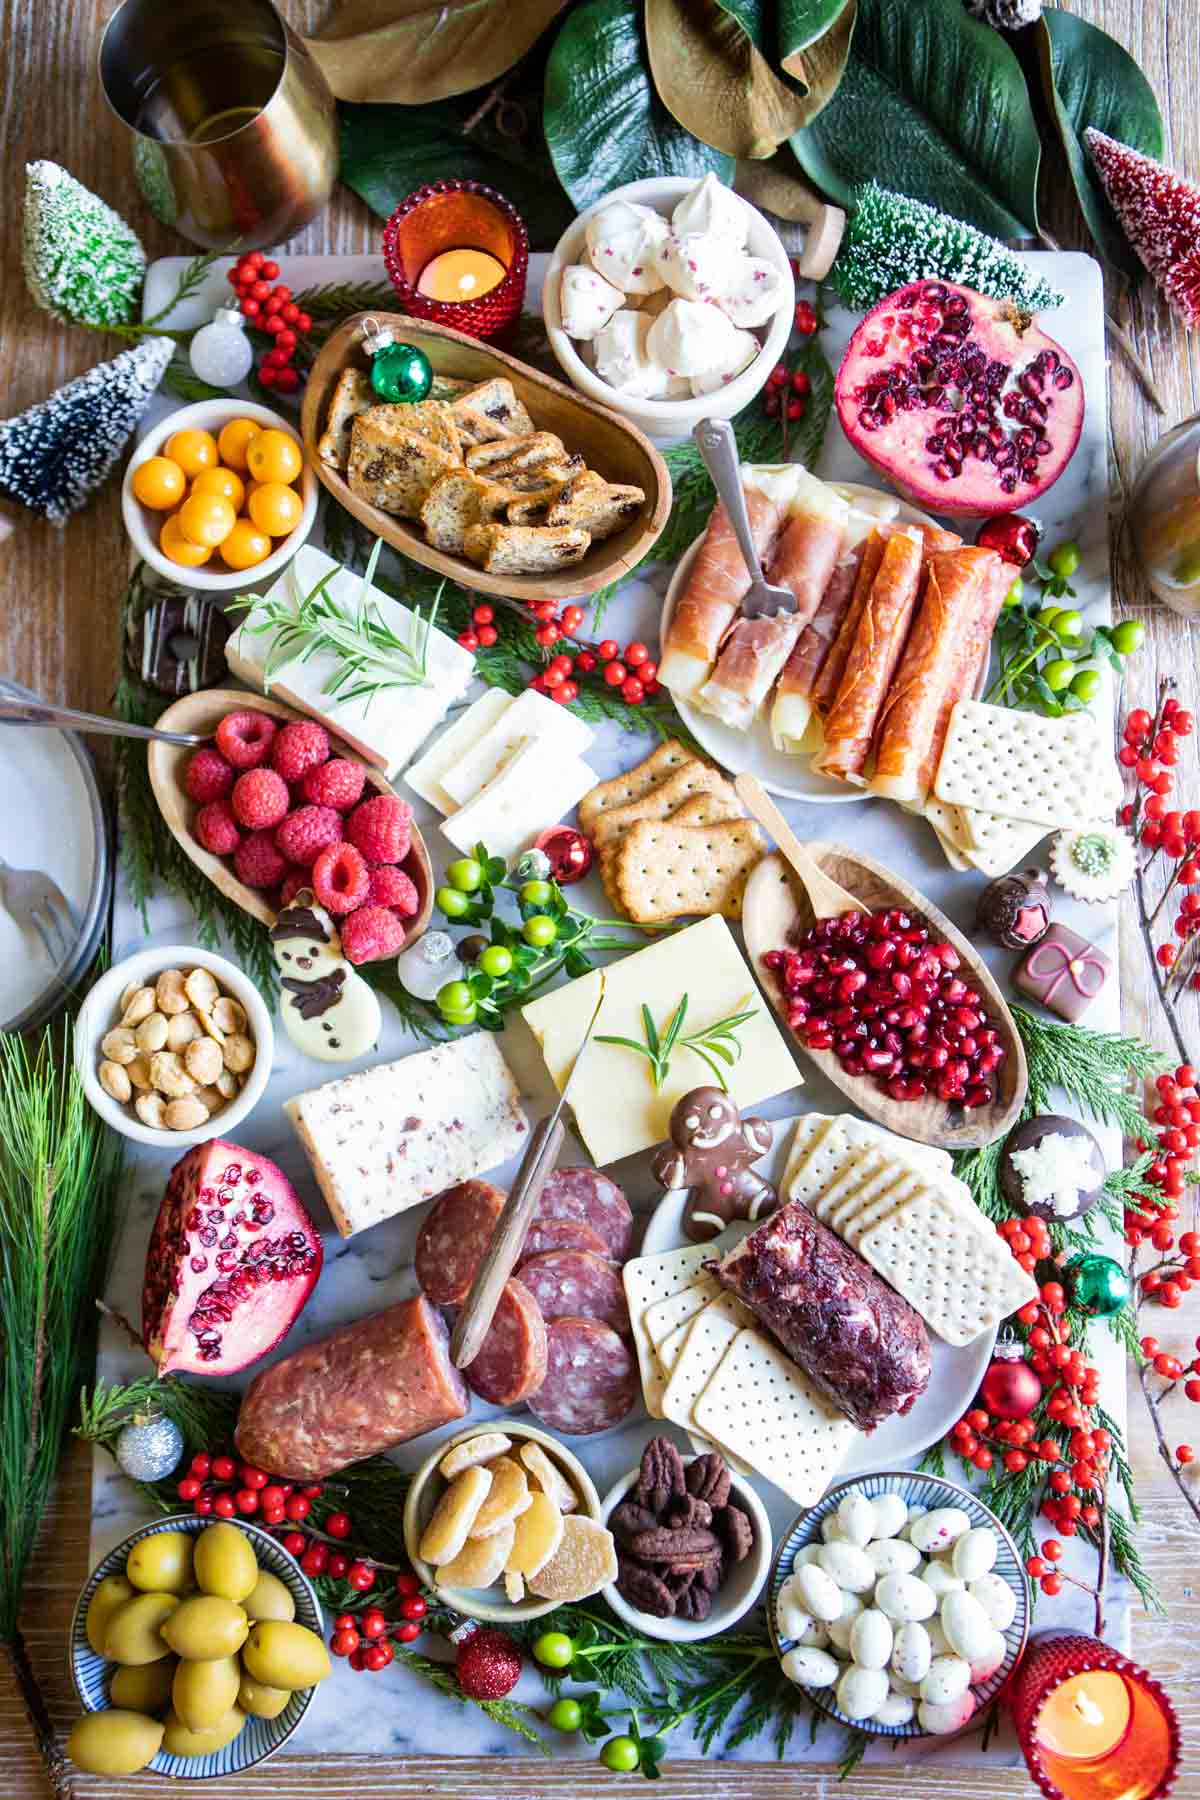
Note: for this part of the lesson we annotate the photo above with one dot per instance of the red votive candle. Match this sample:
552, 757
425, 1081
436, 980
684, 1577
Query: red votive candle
458, 253
1091, 1724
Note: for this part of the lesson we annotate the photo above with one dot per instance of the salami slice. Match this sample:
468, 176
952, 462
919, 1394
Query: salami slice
577, 1284
562, 1234
512, 1362
451, 1242
590, 1199
591, 1378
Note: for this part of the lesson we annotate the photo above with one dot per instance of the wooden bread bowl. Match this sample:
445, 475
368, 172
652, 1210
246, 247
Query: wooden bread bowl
775, 906
201, 714
608, 443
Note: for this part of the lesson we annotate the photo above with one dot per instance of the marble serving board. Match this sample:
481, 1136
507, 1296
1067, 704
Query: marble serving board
391, 1713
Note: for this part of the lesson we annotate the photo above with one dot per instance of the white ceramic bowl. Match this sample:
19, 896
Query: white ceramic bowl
734, 1597
668, 418
99, 1013
143, 525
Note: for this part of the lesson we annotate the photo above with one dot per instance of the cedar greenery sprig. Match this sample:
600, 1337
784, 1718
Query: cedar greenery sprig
715, 1044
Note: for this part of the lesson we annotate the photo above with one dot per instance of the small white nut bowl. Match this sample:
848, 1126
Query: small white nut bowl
668, 418
143, 525
100, 1012
737, 1593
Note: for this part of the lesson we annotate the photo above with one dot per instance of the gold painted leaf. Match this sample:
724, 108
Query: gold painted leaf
714, 80
822, 63
408, 52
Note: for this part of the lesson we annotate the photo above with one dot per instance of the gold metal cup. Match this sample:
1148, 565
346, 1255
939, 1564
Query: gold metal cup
234, 128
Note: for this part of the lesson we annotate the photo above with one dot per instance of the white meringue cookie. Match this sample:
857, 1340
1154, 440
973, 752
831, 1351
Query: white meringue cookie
622, 359
754, 292
712, 207
690, 338
698, 265
586, 301
623, 241
746, 349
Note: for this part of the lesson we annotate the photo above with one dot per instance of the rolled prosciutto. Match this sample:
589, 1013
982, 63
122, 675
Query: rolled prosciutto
792, 710
716, 584
874, 655
972, 656
834, 666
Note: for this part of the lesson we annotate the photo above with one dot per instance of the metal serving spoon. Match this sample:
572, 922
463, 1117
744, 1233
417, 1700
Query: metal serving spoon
40, 712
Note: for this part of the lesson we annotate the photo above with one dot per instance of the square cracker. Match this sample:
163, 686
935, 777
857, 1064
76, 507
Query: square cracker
760, 1406
948, 822
709, 1335
659, 802
1021, 765
649, 1278
811, 1128
701, 809
668, 871
662, 1317
393, 468
956, 1271
635, 782
994, 844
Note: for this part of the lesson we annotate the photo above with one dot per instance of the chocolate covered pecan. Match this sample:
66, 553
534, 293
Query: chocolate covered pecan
643, 1588
736, 1531
708, 1479
689, 1512
664, 1545
695, 1601
628, 1519
660, 1477
711, 1576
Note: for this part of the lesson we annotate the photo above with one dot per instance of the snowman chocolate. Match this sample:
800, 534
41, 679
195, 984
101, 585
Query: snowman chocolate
327, 1009
710, 1153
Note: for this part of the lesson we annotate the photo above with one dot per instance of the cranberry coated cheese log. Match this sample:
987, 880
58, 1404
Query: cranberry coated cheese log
863, 1346
368, 1387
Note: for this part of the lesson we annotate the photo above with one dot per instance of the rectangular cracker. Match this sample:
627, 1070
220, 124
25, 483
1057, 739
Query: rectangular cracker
524, 549
352, 395
497, 400
956, 1271
659, 802
759, 1406
666, 871
647, 1279
827, 1154
665, 1316
526, 452
811, 1128
1021, 765
701, 809
709, 1335
393, 468
621, 789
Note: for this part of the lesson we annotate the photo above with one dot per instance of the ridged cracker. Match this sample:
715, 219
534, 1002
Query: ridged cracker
635, 782
665, 798
668, 871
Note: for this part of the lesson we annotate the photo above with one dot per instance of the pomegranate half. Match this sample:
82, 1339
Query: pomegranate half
231, 1260
961, 402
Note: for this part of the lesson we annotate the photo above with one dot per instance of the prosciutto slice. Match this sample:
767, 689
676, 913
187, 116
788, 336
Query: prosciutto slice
874, 654
715, 587
972, 657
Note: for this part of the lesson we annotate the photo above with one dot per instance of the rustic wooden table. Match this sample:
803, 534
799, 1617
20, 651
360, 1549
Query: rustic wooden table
58, 634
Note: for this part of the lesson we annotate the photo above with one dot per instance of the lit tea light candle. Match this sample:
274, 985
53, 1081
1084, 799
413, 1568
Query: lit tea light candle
1092, 1725
1086, 1717
460, 275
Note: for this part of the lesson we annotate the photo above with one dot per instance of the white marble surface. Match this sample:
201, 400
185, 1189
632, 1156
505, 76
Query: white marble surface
390, 1713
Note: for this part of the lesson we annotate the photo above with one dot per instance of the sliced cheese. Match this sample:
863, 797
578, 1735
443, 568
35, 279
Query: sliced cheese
529, 718
425, 777
532, 791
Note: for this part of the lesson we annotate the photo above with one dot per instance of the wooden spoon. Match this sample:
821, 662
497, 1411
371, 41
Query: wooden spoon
827, 899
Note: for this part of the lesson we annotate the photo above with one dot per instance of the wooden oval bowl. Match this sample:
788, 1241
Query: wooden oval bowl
202, 713
608, 443
776, 905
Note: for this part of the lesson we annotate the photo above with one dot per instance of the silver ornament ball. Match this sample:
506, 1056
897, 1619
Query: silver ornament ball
220, 352
149, 1449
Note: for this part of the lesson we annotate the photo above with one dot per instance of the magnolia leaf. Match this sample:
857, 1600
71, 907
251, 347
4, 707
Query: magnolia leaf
604, 123
711, 75
1090, 80
934, 105
821, 65
803, 23
409, 52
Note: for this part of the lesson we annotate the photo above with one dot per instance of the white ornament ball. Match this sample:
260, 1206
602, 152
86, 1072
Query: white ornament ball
220, 352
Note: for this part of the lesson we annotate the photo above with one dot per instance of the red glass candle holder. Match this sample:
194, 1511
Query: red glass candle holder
1142, 1762
457, 215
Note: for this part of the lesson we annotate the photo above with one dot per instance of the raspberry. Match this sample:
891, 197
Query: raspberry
293, 883
244, 738
340, 878
335, 783
257, 862
371, 933
217, 829
381, 829
390, 886
209, 777
260, 799
307, 831
300, 746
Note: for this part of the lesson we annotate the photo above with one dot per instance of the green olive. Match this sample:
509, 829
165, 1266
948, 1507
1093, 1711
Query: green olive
451, 902
1057, 674
264, 1702
179, 1741
285, 1655
115, 1742
1063, 560
1128, 636
225, 1563
203, 1692
1086, 685
111, 1593
161, 1564
270, 1599
466, 875
206, 1626
134, 1632
144, 1690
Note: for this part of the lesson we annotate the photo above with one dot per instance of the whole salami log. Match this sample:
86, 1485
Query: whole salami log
451, 1242
511, 1364
561, 1234
366, 1388
574, 1282
591, 1199
591, 1379
860, 1343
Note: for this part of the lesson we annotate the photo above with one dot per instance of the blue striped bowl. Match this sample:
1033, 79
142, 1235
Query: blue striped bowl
258, 1738
928, 1491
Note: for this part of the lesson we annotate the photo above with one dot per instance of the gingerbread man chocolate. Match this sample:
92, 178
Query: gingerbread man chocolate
710, 1153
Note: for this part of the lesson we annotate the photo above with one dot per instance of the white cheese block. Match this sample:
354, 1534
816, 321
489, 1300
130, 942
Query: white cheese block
387, 728
536, 789
529, 718
425, 776
390, 1137
618, 1111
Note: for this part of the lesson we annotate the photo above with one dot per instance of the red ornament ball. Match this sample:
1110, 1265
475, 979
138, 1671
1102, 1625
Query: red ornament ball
569, 851
1009, 1389
488, 1664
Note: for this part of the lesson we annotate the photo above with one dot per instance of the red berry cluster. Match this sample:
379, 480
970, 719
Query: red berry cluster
631, 670
1177, 1114
226, 1486
805, 319
366, 1638
269, 306
1150, 751
787, 392
1028, 1239
1171, 1370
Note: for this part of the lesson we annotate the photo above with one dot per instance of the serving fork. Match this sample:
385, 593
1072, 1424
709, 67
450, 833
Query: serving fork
718, 449
32, 898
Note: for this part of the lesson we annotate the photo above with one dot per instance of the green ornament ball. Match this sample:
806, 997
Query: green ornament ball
1096, 1284
401, 372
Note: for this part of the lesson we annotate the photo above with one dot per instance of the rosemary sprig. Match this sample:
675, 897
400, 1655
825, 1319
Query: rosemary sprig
716, 1045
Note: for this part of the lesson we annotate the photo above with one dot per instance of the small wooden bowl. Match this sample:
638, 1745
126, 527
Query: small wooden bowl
775, 906
202, 713
608, 443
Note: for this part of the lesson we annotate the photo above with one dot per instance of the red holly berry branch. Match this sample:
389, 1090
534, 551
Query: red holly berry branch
266, 304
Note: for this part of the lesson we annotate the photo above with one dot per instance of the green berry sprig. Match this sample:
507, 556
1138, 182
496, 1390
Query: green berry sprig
1045, 658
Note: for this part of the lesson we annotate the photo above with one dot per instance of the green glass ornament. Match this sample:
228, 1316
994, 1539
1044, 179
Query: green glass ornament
1096, 1284
401, 372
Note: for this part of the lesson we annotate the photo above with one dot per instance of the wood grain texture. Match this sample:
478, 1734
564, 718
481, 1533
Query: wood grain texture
58, 627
